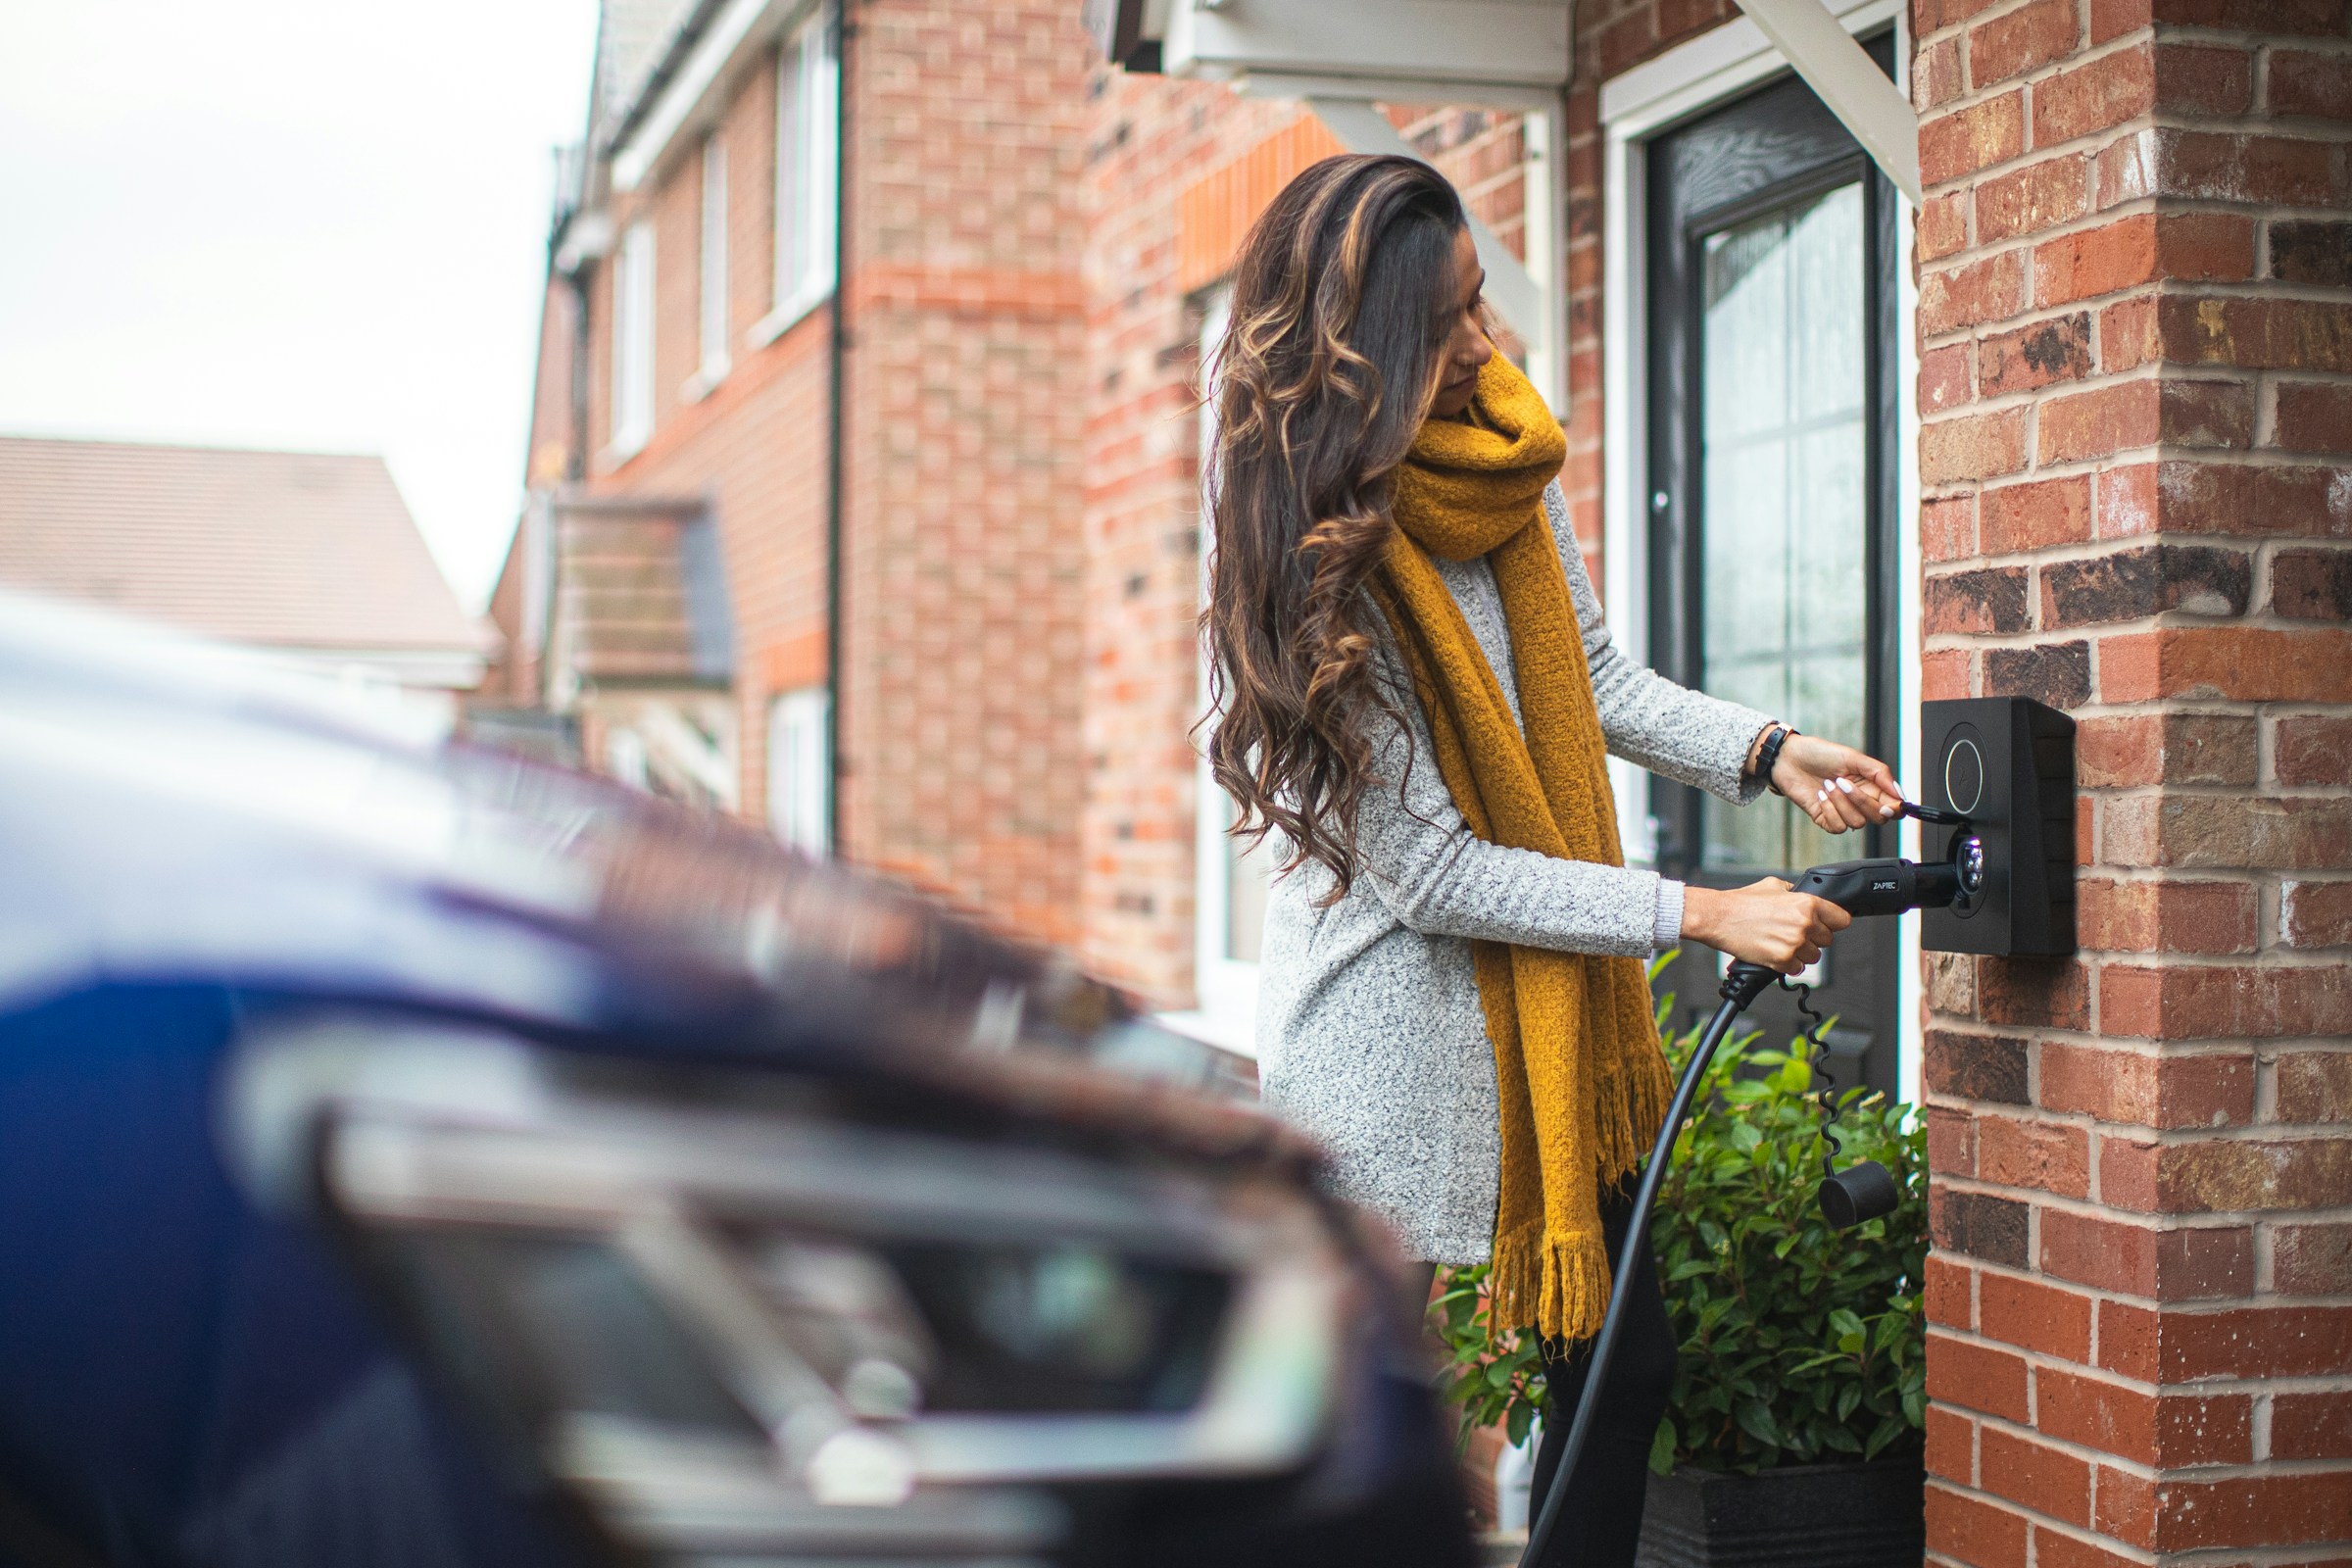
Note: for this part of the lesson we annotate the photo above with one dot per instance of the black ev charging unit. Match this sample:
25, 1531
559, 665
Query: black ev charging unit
2005, 767
1999, 878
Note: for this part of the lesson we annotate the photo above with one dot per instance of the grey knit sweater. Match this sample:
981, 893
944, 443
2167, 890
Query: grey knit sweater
1370, 1036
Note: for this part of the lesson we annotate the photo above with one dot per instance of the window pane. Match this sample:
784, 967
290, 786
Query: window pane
1783, 440
792, 160
807, 88
633, 339
715, 253
800, 770
821, 95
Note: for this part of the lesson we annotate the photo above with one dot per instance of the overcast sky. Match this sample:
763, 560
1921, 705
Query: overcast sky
309, 224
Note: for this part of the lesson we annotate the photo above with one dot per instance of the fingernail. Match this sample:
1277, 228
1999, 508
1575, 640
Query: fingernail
1844, 785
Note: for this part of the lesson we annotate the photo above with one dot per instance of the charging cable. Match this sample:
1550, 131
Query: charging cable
1860, 1192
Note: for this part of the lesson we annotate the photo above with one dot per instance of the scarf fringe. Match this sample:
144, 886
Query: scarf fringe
1647, 1087
1560, 1285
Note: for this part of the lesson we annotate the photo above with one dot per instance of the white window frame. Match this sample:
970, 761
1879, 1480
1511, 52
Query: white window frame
634, 267
1683, 81
807, 203
800, 768
1224, 988
712, 301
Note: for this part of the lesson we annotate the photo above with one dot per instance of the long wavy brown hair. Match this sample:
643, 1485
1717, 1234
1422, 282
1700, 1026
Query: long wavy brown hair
1340, 308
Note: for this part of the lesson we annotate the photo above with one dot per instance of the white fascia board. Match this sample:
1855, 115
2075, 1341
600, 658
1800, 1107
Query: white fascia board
1863, 98
1448, 47
742, 24
1362, 128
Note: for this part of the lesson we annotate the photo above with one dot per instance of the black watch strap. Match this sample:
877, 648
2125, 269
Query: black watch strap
1770, 753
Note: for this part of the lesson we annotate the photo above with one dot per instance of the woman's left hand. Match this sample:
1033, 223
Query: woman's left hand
1836, 785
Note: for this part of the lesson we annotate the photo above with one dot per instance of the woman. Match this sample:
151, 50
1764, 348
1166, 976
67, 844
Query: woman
1415, 691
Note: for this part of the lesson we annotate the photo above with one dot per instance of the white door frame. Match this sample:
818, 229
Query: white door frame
1635, 105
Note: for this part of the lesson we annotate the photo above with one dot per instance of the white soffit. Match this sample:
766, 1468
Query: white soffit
1429, 51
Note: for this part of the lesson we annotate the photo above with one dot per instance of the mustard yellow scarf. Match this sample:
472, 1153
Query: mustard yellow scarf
1582, 1084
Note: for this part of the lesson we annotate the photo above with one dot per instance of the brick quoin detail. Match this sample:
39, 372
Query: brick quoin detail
2135, 348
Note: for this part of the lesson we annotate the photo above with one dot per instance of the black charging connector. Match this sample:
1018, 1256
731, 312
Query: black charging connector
1886, 886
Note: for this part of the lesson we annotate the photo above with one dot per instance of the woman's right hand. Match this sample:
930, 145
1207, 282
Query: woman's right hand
1764, 923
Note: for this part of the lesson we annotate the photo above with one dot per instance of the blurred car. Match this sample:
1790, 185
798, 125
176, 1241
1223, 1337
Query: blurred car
414, 1155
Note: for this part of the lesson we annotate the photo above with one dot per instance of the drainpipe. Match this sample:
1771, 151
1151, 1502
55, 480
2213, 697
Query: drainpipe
837, 331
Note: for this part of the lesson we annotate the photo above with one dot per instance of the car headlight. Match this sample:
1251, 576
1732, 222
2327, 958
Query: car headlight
790, 1330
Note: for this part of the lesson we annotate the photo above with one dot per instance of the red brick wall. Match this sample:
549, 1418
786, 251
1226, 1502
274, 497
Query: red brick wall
2136, 348
967, 390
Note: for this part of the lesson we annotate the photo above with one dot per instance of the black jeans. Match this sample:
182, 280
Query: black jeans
1600, 1519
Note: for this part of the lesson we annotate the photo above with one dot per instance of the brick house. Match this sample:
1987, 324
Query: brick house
2053, 364
698, 381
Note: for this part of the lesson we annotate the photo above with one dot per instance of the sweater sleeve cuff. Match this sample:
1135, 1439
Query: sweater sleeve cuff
1669, 931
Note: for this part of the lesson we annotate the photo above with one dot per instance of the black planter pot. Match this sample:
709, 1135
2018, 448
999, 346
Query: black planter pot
1817, 1516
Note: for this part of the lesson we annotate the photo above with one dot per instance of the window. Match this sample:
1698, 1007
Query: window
800, 768
633, 340
714, 262
808, 80
1782, 619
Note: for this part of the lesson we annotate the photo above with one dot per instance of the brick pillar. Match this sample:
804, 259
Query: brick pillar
2136, 326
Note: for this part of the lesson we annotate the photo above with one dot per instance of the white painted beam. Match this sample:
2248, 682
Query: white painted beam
1862, 97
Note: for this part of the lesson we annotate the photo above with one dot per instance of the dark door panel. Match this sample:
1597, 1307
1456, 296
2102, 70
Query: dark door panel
1771, 285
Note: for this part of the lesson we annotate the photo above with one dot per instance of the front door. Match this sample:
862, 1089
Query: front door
1771, 254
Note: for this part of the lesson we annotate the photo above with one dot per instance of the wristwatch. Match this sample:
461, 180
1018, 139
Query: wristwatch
1769, 754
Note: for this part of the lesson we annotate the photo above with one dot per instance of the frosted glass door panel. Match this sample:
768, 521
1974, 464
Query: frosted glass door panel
1783, 600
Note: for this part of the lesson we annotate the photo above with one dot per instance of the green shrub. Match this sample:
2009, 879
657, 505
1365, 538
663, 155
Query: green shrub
1799, 1343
